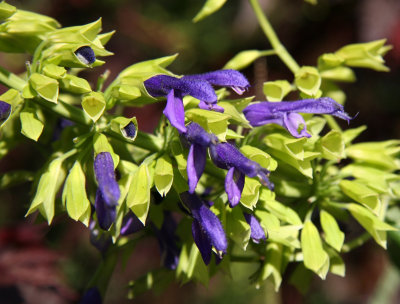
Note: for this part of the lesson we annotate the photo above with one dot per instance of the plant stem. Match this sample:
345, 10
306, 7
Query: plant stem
273, 38
357, 242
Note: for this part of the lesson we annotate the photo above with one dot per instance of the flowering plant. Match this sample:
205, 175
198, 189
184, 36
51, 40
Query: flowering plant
222, 180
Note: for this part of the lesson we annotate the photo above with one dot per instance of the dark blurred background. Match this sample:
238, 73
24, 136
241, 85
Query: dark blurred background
39, 265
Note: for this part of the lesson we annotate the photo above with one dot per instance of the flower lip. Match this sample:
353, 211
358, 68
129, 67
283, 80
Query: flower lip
85, 54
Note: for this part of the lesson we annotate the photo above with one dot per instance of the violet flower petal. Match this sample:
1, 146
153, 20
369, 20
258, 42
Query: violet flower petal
209, 222
292, 122
175, 112
106, 214
257, 232
104, 171
234, 183
131, 224
196, 163
202, 241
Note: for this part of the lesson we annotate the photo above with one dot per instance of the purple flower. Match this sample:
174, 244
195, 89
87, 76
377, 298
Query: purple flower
199, 140
5, 111
85, 55
108, 193
168, 242
285, 113
227, 156
91, 296
257, 232
207, 229
199, 86
131, 224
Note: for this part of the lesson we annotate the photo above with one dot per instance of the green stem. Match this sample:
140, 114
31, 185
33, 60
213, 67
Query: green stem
273, 38
357, 242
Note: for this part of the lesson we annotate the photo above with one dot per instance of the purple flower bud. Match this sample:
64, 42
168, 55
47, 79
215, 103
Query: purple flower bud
130, 130
104, 171
106, 214
5, 111
131, 224
257, 232
91, 296
85, 55
207, 227
285, 113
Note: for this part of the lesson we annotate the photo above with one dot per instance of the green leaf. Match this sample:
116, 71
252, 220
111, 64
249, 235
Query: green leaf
231, 110
74, 194
31, 126
331, 145
350, 134
284, 213
250, 193
211, 121
377, 153
362, 194
6, 10
138, 199
210, 7
54, 71
101, 144
196, 267
260, 157
94, 105
46, 87
341, 73
315, 258
49, 183
308, 80
74, 84
365, 55
244, 59
375, 227
336, 265
276, 90
126, 92
180, 157
273, 265
333, 235
163, 175
237, 228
